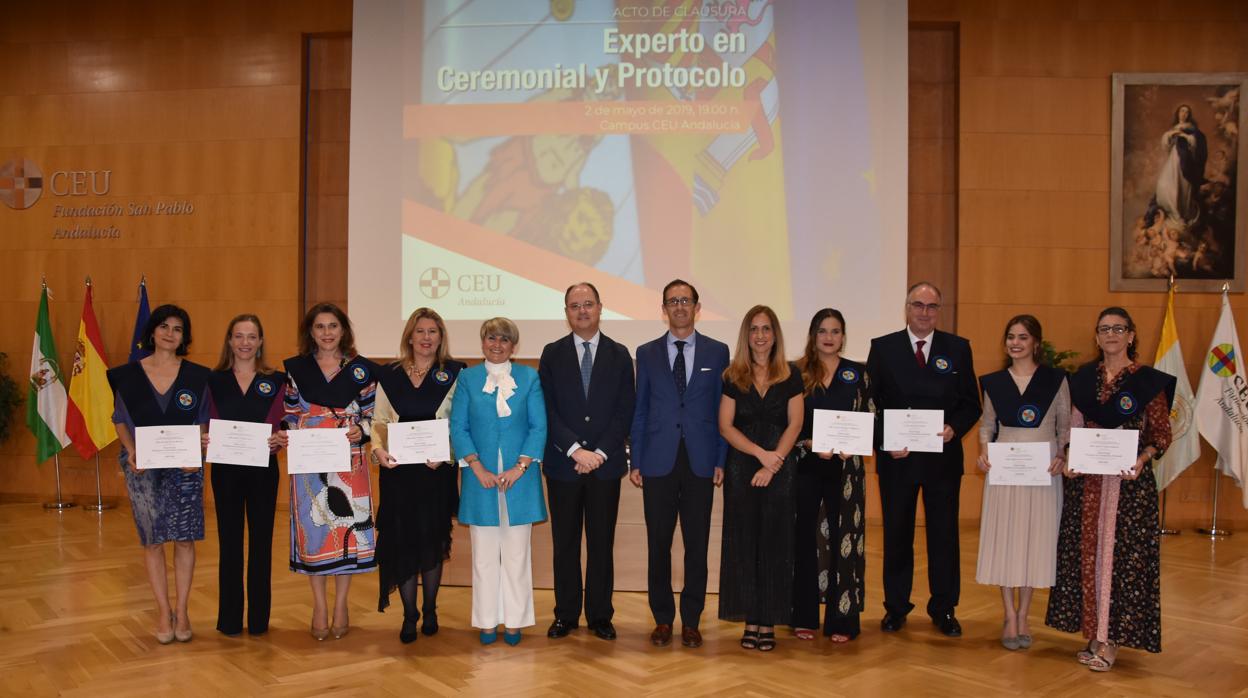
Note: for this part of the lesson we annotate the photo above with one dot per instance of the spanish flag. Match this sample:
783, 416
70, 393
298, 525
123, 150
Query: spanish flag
90, 419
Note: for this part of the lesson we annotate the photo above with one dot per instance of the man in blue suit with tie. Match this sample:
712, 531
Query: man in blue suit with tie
678, 456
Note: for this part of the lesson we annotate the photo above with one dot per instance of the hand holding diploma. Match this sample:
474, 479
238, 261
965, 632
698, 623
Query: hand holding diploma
1106, 452
921, 431
173, 446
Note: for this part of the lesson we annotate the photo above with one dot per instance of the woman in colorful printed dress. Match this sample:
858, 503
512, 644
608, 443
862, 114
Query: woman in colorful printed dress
331, 520
1025, 402
168, 504
833, 482
417, 499
1108, 566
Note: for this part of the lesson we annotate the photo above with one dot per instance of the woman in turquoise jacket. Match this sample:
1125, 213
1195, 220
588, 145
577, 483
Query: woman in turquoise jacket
498, 423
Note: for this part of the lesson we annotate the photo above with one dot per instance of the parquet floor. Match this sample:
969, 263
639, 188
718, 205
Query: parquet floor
76, 619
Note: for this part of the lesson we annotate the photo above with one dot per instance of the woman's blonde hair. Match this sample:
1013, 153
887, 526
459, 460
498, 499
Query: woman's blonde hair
407, 357
501, 327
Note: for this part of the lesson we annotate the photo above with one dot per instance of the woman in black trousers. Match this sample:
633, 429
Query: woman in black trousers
245, 389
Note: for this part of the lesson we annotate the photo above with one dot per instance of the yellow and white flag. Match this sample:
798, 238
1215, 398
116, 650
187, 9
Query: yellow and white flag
1184, 439
1222, 399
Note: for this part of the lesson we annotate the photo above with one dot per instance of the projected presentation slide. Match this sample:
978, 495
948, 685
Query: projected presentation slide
504, 149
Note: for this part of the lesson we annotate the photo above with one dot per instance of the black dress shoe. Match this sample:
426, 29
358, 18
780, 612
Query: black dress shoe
603, 629
430, 626
560, 628
892, 622
948, 625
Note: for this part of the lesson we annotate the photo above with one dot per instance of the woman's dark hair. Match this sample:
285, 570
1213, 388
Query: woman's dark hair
1191, 116
1120, 312
1032, 325
159, 315
346, 344
809, 364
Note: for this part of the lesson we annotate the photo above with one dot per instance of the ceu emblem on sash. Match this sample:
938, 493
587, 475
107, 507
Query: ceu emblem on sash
941, 364
360, 374
185, 398
848, 375
442, 377
1028, 414
264, 387
1126, 403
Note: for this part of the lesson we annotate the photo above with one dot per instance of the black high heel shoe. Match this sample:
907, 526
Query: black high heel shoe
407, 633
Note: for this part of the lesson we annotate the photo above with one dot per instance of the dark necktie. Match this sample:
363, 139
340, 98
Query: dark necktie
678, 367
587, 366
918, 353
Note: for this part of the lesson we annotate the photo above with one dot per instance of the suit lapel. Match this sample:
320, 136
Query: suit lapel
599, 370
904, 348
699, 360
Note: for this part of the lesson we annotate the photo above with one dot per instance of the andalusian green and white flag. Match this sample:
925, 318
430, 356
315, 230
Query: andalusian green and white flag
46, 401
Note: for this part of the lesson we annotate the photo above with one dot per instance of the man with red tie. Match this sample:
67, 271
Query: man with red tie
921, 367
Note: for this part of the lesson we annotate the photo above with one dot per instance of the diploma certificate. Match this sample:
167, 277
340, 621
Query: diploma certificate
839, 431
1103, 451
1020, 463
917, 430
239, 443
419, 442
317, 451
175, 446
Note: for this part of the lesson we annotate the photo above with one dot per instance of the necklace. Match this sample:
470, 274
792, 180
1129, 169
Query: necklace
417, 373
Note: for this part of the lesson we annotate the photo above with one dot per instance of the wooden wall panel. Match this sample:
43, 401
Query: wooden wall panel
200, 102
327, 162
1033, 214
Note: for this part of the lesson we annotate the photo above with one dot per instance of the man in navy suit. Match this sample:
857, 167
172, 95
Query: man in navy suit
587, 380
678, 456
921, 367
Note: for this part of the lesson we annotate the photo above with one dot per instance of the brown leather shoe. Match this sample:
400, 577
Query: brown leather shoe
690, 637
662, 635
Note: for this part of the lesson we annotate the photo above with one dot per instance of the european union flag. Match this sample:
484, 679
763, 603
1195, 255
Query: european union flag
140, 322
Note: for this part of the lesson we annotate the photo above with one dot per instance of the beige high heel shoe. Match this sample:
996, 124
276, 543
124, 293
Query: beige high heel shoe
166, 638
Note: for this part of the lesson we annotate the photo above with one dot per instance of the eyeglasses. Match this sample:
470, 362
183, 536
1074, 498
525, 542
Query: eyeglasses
1112, 329
674, 302
921, 307
587, 305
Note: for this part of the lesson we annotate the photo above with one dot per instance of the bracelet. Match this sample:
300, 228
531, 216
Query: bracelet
522, 467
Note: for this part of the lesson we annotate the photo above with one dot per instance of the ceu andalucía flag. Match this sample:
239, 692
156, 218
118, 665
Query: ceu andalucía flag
140, 323
46, 400
90, 419
1222, 399
1185, 441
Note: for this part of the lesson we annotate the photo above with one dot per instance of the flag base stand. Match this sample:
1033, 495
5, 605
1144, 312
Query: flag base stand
1212, 529
1166, 531
100, 505
60, 504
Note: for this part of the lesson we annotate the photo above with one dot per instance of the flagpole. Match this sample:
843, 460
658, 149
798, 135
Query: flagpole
100, 505
1213, 531
60, 504
1166, 531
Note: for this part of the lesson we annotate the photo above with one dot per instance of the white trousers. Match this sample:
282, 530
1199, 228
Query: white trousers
502, 573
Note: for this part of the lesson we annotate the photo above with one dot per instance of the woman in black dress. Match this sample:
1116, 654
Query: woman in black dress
246, 389
417, 499
760, 416
835, 481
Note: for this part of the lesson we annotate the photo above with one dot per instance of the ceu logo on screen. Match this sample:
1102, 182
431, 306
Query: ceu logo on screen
434, 282
21, 183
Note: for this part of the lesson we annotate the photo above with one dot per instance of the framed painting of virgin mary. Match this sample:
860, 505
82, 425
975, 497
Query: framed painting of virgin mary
1175, 191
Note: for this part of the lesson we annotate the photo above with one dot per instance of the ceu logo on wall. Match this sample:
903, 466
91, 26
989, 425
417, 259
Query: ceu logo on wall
21, 183
434, 282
